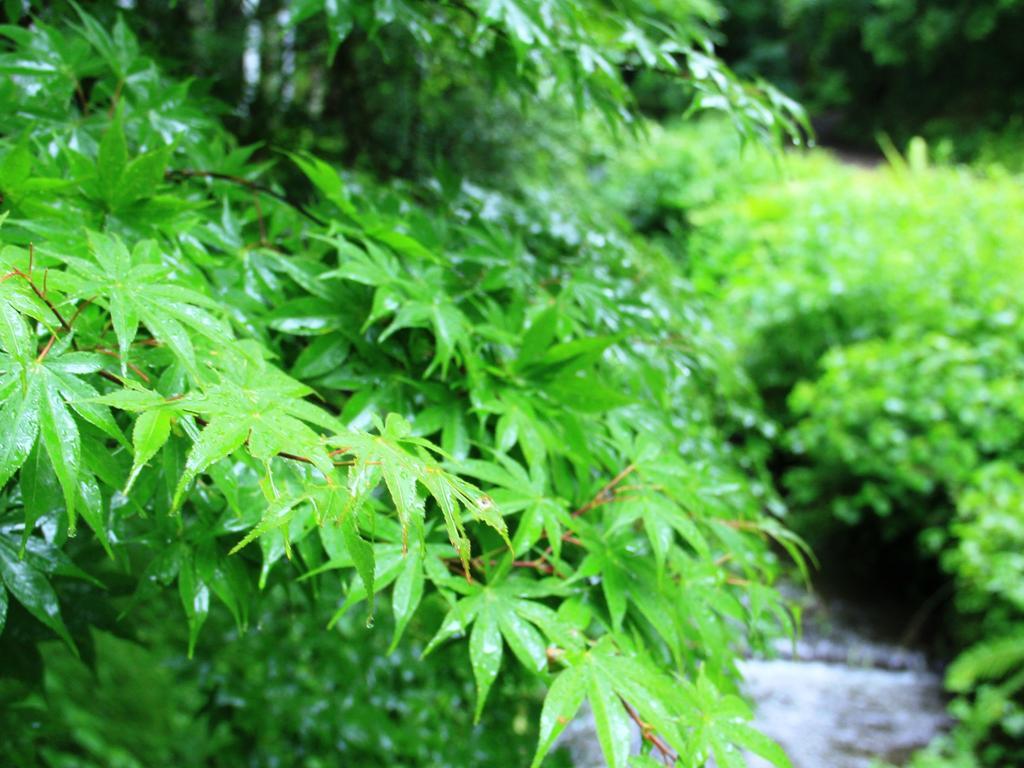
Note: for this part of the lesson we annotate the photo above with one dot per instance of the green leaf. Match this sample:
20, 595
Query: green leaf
125, 320
111, 160
151, 430
987, 660
91, 508
361, 552
14, 333
754, 741
195, 598
228, 579
324, 177
402, 488
141, 177
339, 24
407, 592
3, 609
19, 425
443, 494
485, 650
538, 336
81, 395
16, 167
279, 513
132, 399
611, 721
388, 562
613, 584
60, 436
456, 621
221, 437
40, 490
563, 701
450, 331
525, 641
31, 588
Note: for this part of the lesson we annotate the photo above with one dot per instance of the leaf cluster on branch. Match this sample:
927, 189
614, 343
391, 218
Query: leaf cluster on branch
431, 392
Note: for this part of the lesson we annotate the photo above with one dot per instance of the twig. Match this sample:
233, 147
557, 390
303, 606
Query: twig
115, 98
740, 525
649, 735
110, 377
537, 565
47, 348
138, 371
605, 494
259, 218
190, 173
78, 311
15, 272
82, 101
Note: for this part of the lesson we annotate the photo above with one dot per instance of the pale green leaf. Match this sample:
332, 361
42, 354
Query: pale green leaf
151, 430
563, 701
221, 437
485, 650
611, 721
19, 425
59, 434
407, 592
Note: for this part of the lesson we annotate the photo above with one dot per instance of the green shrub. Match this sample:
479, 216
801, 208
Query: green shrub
426, 407
986, 561
878, 315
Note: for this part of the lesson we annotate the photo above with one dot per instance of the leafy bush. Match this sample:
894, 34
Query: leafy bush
476, 403
878, 316
985, 558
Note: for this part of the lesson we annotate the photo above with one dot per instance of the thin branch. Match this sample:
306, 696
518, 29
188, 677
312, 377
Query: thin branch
605, 494
47, 348
740, 525
83, 102
649, 735
78, 310
138, 371
190, 173
110, 377
477, 564
259, 218
116, 97
15, 272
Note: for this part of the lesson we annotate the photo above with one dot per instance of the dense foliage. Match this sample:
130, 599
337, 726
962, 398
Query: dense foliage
391, 390
431, 416
414, 88
878, 314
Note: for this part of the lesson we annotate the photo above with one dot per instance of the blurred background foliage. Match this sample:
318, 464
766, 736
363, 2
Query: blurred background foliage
285, 693
943, 69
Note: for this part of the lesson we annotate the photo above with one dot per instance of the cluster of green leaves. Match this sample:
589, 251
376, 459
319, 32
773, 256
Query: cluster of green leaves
878, 314
480, 87
581, 46
194, 362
